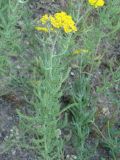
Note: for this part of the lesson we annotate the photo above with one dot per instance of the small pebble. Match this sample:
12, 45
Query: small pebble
71, 157
72, 73
13, 152
106, 111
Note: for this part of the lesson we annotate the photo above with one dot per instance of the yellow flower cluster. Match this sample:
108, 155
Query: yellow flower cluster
57, 21
97, 3
62, 20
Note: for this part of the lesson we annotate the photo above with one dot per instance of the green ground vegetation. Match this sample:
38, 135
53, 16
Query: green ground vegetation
45, 69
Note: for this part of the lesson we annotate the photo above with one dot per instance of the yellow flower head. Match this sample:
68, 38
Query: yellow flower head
97, 3
55, 22
44, 19
79, 51
62, 20
43, 29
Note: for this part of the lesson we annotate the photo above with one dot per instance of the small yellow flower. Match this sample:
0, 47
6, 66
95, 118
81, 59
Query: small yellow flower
55, 22
97, 3
43, 29
44, 19
79, 51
